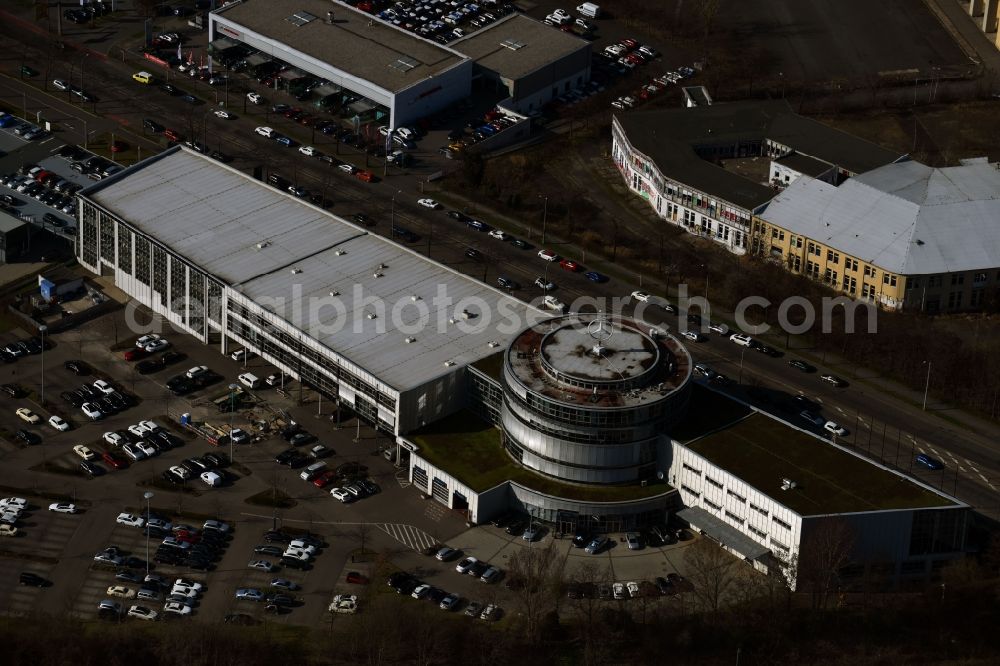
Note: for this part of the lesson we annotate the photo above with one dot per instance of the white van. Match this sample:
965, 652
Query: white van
589, 9
250, 381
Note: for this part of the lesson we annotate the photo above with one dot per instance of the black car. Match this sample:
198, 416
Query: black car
240, 619
119, 400
350, 469
275, 536
13, 390
171, 357
27, 437
91, 469
802, 402
170, 477
472, 253
502, 520
148, 366
456, 215
106, 406
32, 579
284, 457
169, 89
478, 569
799, 364
152, 125
436, 594
181, 386
302, 438
516, 527
663, 585
581, 539
200, 564
294, 563
507, 283
274, 551
404, 233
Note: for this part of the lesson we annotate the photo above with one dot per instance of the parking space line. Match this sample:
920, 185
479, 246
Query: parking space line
408, 535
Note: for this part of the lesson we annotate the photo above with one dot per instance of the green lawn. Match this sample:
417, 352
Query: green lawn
471, 450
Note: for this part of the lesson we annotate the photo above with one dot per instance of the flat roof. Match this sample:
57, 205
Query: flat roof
517, 45
471, 450
357, 43
252, 237
762, 451
673, 138
810, 166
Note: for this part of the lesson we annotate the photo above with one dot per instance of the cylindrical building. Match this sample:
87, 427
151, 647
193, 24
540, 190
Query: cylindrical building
587, 396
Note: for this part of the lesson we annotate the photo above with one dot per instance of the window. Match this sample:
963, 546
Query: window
833, 257
812, 270
814, 249
850, 264
795, 263
957, 279
713, 482
776, 233
850, 285
979, 278
777, 545
690, 490
830, 277
779, 521
756, 532
762, 511
160, 273
934, 281
736, 495
889, 279
125, 250
691, 469
977, 298
954, 300
913, 283
869, 271
713, 505
733, 517
142, 260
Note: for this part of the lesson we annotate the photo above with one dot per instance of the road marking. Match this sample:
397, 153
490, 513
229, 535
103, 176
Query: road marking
408, 535
403, 478
841, 410
961, 469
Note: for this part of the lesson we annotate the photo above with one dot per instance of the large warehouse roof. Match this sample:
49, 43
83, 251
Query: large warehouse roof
355, 42
275, 248
517, 45
906, 218
679, 141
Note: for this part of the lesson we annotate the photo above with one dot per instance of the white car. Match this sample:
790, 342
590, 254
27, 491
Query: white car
429, 203
176, 608
27, 415
91, 411
181, 472
196, 371
156, 346
7, 530
187, 582
58, 423
13, 503
60, 84
349, 168
692, 336
213, 479
618, 590
129, 519
105, 387
182, 591
553, 303
142, 613
548, 255
145, 340
114, 439
640, 296
265, 131
63, 507
344, 603
223, 114
84, 452
499, 235
466, 564
406, 133
741, 339
633, 589
216, 526
341, 494
121, 591
835, 428
262, 565
255, 98
308, 151
298, 554
147, 449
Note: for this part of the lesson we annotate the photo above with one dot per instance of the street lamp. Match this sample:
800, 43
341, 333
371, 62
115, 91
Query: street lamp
545, 214
740, 381
148, 495
232, 408
392, 213
42, 329
927, 383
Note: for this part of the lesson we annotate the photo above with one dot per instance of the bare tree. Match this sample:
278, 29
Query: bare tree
538, 575
361, 533
582, 588
711, 572
827, 546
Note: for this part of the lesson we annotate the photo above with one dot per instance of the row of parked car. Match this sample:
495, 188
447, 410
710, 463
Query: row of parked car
15, 350
181, 545
442, 20
25, 130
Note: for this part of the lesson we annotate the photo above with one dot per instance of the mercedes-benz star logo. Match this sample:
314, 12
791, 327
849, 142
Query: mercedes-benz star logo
600, 330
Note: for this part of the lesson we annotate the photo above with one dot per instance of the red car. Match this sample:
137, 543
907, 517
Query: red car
325, 479
187, 537
356, 578
114, 460
136, 354
366, 176
629, 43
118, 146
569, 265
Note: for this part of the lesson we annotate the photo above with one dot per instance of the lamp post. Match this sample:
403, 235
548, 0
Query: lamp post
740, 381
545, 214
392, 213
232, 408
42, 329
927, 384
148, 495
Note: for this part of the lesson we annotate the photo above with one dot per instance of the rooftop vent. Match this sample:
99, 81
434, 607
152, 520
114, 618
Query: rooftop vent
340, 252
296, 271
919, 242
787, 484
261, 245
299, 19
335, 293
377, 274
404, 64
451, 320
409, 340
512, 44
415, 298
448, 364
371, 315
493, 344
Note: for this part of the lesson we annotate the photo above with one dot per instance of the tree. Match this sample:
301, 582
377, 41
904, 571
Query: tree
827, 546
537, 576
711, 572
361, 533
586, 604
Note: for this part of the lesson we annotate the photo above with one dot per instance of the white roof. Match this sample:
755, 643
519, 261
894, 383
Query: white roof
907, 218
215, 217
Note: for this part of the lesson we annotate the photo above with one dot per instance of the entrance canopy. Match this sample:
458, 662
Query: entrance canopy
722, 532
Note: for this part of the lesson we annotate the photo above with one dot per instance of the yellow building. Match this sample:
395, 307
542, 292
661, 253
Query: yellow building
904, 235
